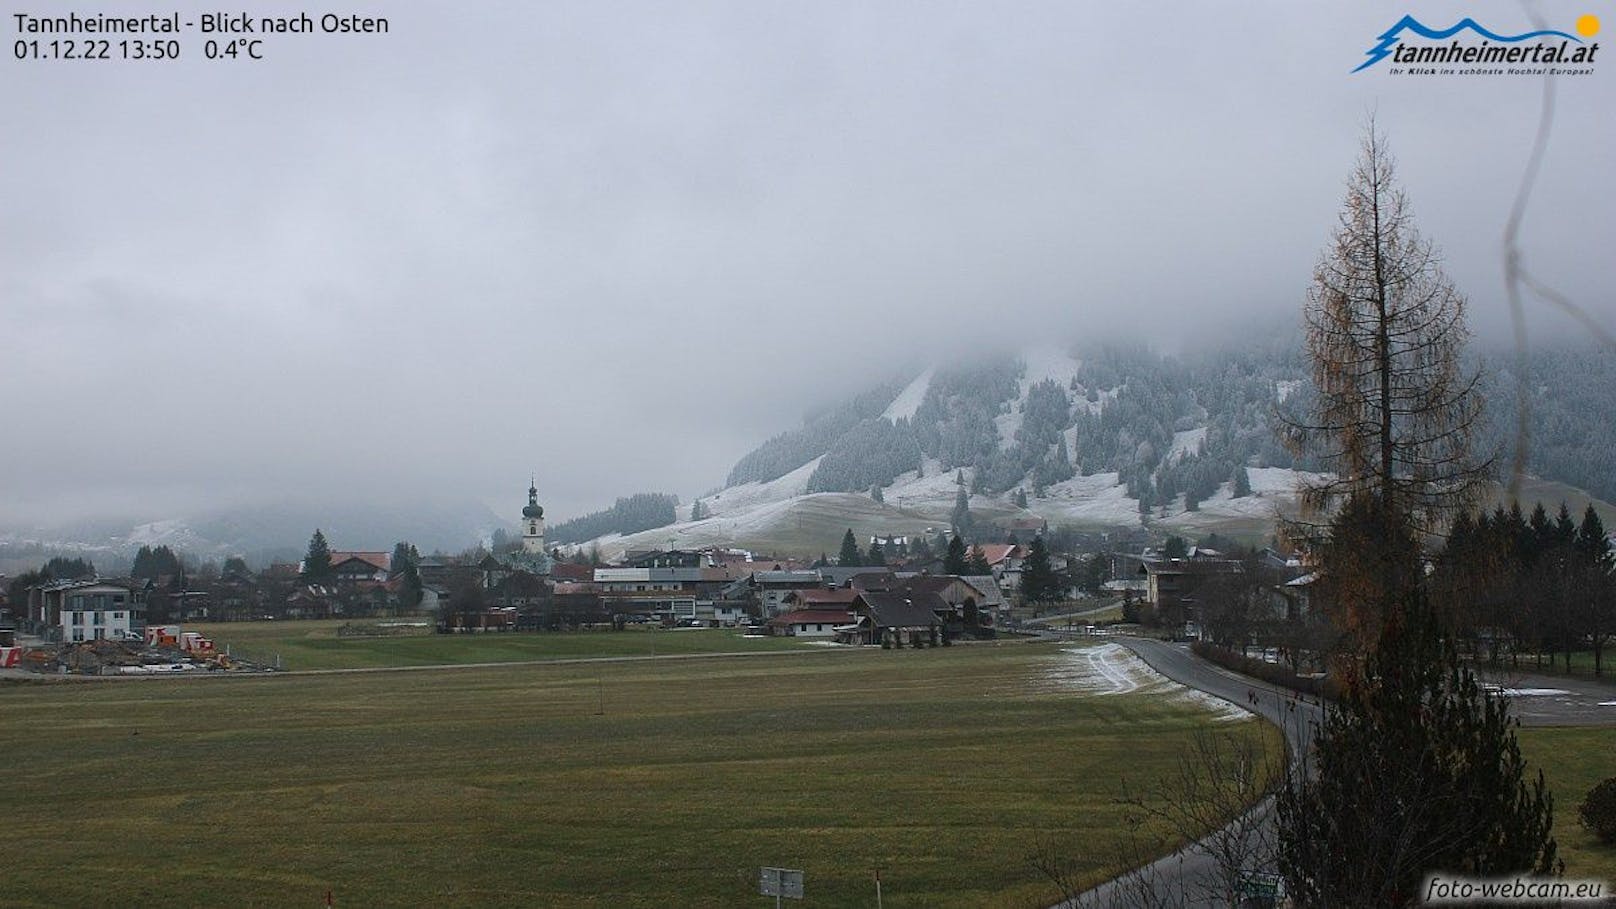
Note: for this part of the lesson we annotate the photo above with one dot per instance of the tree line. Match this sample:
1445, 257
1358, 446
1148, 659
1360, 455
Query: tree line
1510, 583
629, 514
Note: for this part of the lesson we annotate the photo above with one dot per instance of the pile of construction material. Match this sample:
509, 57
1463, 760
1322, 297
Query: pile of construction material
168, 650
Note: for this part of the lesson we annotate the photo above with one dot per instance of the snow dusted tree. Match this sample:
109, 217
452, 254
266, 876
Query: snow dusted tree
1395, 411
1241, 482
960, 518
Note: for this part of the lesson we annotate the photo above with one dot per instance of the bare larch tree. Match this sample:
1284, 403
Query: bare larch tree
1395, 409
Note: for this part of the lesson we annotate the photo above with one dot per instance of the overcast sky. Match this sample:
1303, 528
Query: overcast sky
618, 244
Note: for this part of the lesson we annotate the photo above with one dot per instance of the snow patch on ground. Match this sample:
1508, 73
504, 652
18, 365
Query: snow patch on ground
1112, 669
1041, 363
1096, 498
908, 401
1048, 363
750, 495
1533, 692
1008, 424
1283, 390
1186, 443
933, 492
1282, 480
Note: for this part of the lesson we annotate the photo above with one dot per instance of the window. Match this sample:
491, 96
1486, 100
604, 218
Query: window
117, 615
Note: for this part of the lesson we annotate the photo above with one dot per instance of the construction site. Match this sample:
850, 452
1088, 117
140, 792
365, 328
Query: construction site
158, 650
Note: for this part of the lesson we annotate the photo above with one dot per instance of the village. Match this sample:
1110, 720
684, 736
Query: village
891, 591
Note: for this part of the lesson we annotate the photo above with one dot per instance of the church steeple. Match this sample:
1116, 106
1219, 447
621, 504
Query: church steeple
533, 522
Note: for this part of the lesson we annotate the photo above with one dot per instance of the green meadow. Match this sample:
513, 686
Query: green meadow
1573, 761
624, 784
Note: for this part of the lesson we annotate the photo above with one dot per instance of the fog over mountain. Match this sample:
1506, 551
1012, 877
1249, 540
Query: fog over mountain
616, 246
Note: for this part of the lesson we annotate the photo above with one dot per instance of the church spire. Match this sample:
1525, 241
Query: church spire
533, 521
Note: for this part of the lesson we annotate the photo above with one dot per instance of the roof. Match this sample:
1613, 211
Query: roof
81, 584
987, 586
789, 578
892, 610
569, 572
748, 568
998, 552
811, 616
880, 579
837, 575
1193, 566
631, 575
377, 560
840, 595
930, 583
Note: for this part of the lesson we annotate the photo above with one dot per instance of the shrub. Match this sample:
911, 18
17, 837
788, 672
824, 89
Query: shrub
1598, 811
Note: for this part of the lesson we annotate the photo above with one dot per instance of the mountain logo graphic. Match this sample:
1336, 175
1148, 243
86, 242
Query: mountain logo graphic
1390, 38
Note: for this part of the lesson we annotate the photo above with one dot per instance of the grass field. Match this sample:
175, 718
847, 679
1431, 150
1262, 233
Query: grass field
315, 645
613, 784
1573, 760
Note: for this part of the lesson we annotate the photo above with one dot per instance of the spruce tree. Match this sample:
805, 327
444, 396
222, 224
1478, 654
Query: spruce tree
1415, 770
317, 561
1595, 562
1242, 483
849, 557
977, 562
405, 555
1038, 581
955, 561
876, 556
961, 516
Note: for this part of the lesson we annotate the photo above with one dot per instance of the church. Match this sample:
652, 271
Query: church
530, 557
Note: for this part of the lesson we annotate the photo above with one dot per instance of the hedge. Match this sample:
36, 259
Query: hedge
1272, 673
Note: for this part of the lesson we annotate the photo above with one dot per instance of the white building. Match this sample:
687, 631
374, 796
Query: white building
93, 610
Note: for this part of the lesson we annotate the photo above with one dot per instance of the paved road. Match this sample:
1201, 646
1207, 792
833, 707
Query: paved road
1547, 700
1188, 877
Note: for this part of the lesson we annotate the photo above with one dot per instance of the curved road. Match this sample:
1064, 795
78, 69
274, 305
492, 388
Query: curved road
1189, 877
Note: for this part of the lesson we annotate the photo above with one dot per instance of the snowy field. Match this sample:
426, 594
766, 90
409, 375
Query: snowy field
1112, 669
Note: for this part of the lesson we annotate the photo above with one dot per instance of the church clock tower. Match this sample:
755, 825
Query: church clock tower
533, 523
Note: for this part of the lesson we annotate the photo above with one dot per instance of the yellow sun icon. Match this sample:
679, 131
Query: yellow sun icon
1588, 26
